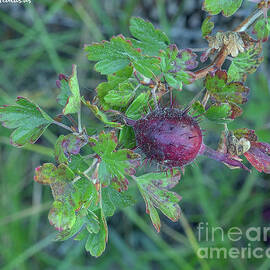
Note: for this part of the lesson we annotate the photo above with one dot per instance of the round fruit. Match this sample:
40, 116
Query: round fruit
169, 136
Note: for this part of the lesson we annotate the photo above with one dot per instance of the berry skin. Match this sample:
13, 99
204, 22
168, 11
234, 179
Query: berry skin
169, 136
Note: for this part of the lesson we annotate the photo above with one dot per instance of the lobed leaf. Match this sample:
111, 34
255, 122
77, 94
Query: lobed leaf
118, 54
113, 82
222, 91
227, 7
28, 120
175, 65
219, 112
153, 188
245, 63
149, 39
96, 242
115, 164
113, 200
122, 96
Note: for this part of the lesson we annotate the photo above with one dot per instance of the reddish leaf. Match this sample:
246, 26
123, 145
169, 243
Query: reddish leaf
259, 156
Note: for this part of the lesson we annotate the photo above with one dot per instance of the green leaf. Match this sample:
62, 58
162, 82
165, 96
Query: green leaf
127, 137
75, 229
78, 164
121, 97
96, 242
100, 115
218, 112
227, 7
197, 108
175, 65
113, 200
261, 29
81, 235
69, 96
147, 66
224, 92
104, 174
245, 63
138, 106
62, 216
28, 120
84, 194
107, 204
153, 187
149, 39
118, 54
112, 56
207, 27
92, 222
115, 164
113, 83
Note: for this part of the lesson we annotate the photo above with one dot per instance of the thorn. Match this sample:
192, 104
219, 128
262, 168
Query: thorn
171, 171
173, 99
145, 109
186, 110
149, 106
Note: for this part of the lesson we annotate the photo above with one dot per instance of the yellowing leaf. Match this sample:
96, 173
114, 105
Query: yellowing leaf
70, 92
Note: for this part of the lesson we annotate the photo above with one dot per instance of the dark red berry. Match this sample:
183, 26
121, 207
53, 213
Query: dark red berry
169, 136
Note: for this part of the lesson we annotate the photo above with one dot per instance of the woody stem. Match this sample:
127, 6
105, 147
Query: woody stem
221, 57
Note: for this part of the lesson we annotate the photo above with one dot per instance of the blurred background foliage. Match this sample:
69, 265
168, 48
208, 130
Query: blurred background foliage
42, 39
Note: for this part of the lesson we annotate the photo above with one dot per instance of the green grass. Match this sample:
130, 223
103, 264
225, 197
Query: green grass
32, 52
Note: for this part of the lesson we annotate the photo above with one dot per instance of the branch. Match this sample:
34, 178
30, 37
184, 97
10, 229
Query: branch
222, 55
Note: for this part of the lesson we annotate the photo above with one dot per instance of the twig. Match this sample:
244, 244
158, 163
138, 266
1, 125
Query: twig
205, 98
249, 21
86, 171
198, 49
222, 55
153, 92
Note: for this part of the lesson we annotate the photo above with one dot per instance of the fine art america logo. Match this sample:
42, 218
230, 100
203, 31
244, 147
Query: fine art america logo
15, 1
234, 234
